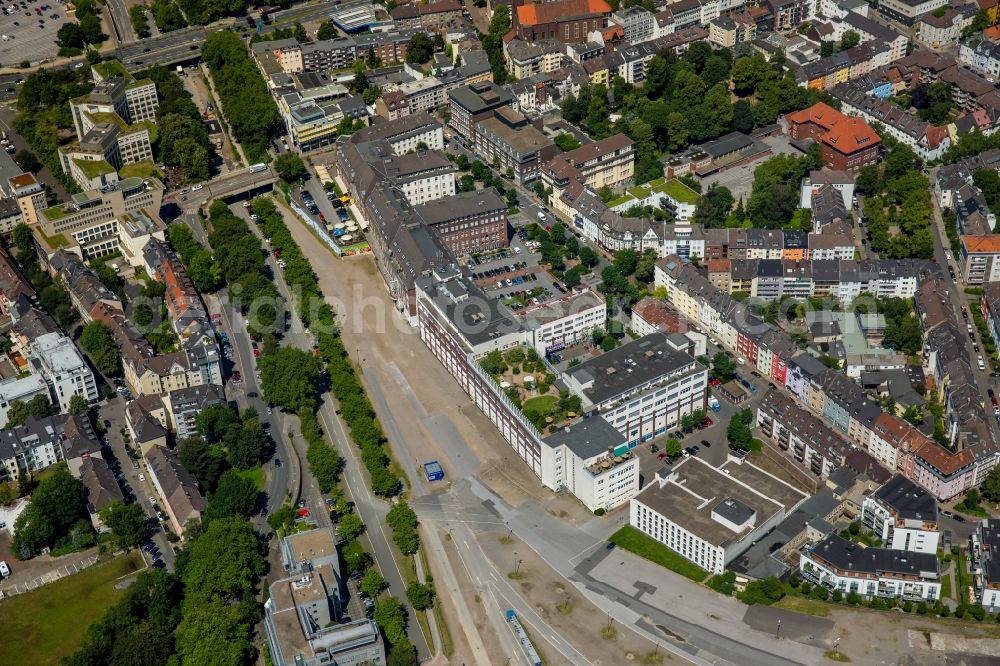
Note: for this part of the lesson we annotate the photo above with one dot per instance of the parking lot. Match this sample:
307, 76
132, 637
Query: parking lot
28, 34
514, 276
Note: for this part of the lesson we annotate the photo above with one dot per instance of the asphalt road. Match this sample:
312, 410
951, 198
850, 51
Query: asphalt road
121, 23
371, 509
171, 48
141, 489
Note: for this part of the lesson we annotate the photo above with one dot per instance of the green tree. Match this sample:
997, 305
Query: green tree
723, 367
420, 595
27, 161
990, 488
390, 617
420, 49
56, 507
104, 351
290, 168
748, 73
849, 40
17, 414
673, 448
127, 522
235, 495
372, 583
137, 14
327, 30
350, 526
204, 461
288, 377
70, 36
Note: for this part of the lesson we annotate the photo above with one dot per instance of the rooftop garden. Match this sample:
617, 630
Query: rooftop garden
93, 168
525, 379
109, 68
144, 169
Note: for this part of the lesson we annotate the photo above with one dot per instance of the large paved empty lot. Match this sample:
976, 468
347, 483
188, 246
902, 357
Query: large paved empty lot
30, 40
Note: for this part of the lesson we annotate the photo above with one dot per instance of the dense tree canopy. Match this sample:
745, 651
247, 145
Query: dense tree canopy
102, 347
56, 507
246, 102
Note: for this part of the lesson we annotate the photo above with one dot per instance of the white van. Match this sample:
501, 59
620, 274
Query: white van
4, 570
541, 216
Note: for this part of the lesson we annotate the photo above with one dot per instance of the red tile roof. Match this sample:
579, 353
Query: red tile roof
851, 135
551, 12
819, 113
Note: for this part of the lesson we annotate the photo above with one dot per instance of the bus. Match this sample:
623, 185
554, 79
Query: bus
257, 168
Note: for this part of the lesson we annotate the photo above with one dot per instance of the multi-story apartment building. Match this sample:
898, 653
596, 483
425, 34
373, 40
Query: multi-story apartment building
984, 556
801, 435
424, 94
177, 487
41, 443
838, 564
711, 516
982, 55
474, 103
509, 140
637, 23
642, 388
182, 407
327, 54
980, 259
56, 359
526, 59
30, 196
903, 515
609, 162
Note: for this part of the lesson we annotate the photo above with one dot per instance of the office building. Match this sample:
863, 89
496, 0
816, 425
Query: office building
711, 516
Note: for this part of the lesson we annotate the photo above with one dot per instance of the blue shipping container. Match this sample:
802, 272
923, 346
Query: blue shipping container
433, 471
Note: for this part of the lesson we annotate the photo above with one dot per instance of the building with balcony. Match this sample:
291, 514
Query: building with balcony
903, 515
984, 563
710, 515
838, 564
590, 459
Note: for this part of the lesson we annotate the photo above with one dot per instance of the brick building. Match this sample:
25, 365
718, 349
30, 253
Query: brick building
569, 21
848, 142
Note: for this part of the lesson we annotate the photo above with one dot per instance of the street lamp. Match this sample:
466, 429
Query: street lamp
778, 630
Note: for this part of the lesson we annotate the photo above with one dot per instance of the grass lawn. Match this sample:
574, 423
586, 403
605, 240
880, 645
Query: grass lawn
945, 586
636, 542
49, 622
255, 475
143, 169
542, 403
803, 605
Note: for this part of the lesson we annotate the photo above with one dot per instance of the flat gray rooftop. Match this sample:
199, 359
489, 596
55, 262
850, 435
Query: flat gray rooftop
689, 499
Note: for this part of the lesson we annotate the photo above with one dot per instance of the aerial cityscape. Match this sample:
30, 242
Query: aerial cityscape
500, 332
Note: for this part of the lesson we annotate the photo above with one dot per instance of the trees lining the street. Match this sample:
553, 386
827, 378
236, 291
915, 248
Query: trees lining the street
246, 102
